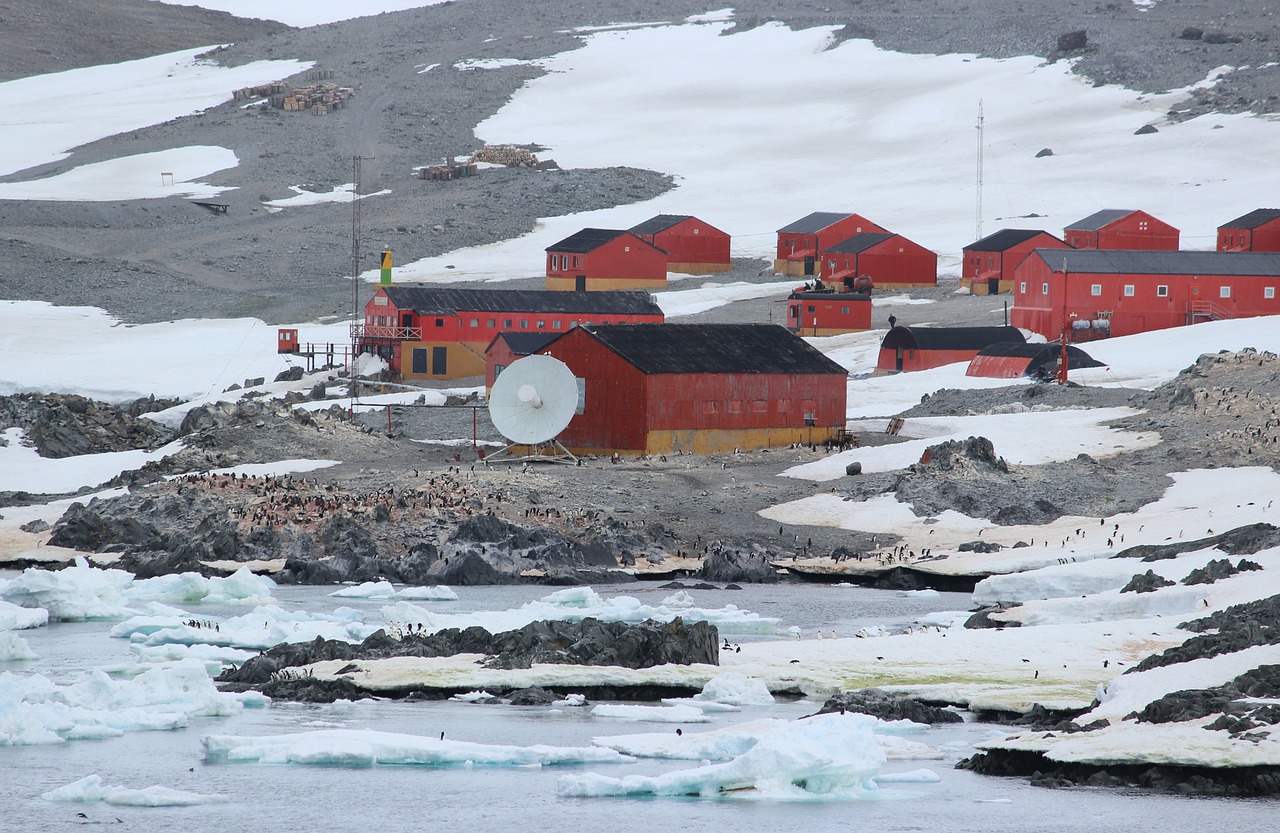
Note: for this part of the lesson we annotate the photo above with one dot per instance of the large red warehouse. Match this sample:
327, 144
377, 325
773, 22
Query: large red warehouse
826, 313
1121, 228
890, 260
597, 259
800, 243
920, 348
1257, 231
432, 332
1121, 293
700, 388
989, 262
693, 247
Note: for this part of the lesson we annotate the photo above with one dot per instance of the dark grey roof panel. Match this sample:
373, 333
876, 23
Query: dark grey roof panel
949, 338
1254, 218
526, 344
1098, 219
1004, 239
714, 348
829, 296
587, 240
814, 222
859, 243
660, 223
441, 300
1149, 262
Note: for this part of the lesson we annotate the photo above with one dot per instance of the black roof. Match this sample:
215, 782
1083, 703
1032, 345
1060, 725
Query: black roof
587, 240
829, 296
714, 348
859, 243
1254, 218
949, 338
1005, 238
443, 300
525, 344
1152, 262
816, 221
1098, 219
1041, 355
662, 222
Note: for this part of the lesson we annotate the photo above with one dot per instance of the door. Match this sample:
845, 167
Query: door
406, 320
419, 361
439, 361
808, 264
897, 360
580, 283
993, 286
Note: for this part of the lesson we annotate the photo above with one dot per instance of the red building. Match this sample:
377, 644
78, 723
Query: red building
989, 262
800, 243
1257, 231
700, 388
818, 313
1120, 228
920, 348
600, 259
507, 347
890, 260
1010, 360
692, 246
1121, 293
431, 332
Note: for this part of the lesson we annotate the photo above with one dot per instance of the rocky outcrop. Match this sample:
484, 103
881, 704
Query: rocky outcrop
1148, 582
61, 425
1219, 568
887, 706
1243, 540
1225, 632
741, 566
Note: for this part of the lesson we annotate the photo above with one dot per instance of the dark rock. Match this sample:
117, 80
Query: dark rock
467, 570
979, 546
1147, 582
1243, 540
293, 374
1219, 568
1044, 152
982, 618
531, 696
886, 706
36, 526
311, 690
1191, 33
1073, 41
853, 468
1224, 632
1145, 130
745, 567
1221, 37
82, 528
974, 452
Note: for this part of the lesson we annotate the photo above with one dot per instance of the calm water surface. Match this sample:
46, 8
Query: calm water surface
417, 798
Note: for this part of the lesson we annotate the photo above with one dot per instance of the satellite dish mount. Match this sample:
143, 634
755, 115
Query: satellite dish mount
531, 402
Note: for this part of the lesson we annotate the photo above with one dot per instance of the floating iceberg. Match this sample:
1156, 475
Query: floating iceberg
351, 747
573, 604
261, 628
15, 618
91, 789
736, 689
386, 590
828, 756
651, 714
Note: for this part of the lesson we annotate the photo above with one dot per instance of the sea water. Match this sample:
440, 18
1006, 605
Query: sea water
404, 798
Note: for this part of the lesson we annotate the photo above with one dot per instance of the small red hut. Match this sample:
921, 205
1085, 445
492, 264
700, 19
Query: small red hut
890, 260
1121, 228
825, 313
1257, 231
989, 262
596, 259
800, 243
693, 247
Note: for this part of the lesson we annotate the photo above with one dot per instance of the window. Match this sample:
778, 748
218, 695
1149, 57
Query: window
831, 264
710, 407
1224, 292
475, 322
557, 325
492, 323
1095, 289
575, 261
1268, 292
626, 248
1162, 291
564, 261
439, 322
380, 300
506, 322
542, 325
1044, 289
1022, 287
844, 310
524, 323
794, 311
551, 263
497, 370
1128, 290
811, 308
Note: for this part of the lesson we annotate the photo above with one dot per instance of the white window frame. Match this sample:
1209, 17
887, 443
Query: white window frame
1268, 292
1128, 290
1095, 289
1044, 289
1224, 292
1022, 287
1162, 291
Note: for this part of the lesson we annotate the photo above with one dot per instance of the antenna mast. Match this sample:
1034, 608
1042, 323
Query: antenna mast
356, 328
981, 128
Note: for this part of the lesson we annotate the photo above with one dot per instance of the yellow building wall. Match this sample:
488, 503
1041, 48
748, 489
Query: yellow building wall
604, 284
463, 359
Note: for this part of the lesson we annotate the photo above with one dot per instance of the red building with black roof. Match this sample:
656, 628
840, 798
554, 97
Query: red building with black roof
1116, 293
601, 259
693, 247
800, 243
825, 313
989, 262
509, 346
699, 388
1257, 231
920, 348
889, 260
1121, 228
435, 332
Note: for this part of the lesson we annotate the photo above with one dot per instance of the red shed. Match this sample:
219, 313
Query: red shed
1014, 359
1121, 228
989, 262
507, 347
1257, 231
596, 258
818, 313
701, 388
800, 242
890, 260
1121, 293
437, 332
693, 247
920, 348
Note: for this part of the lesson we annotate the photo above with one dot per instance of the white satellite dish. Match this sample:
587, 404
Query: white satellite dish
531, 402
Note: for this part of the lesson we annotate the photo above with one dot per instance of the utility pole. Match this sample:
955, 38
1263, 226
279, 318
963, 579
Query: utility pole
353, 377
1062, 354
981, 130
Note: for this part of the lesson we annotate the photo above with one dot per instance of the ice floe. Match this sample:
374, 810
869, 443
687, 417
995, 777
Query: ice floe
386, 590
90, 789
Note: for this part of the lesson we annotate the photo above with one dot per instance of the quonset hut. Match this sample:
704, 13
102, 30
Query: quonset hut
1010, 360
698, 388
920, 348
